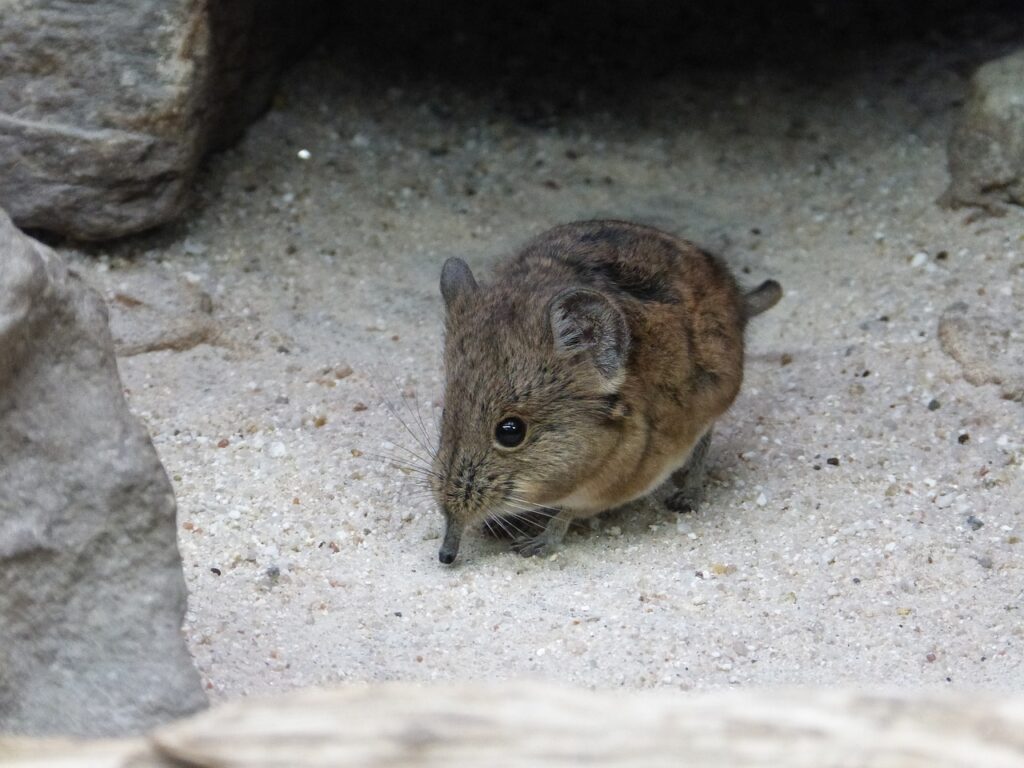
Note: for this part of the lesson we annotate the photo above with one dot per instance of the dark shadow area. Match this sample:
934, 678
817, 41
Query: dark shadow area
540, 57
614, 68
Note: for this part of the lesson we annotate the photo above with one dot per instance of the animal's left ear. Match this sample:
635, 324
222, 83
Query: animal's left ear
587, 321
456, 280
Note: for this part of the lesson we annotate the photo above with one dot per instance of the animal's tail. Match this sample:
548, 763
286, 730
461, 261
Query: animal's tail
762, 298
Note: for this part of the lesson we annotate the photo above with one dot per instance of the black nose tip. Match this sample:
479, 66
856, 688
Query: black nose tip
450, 545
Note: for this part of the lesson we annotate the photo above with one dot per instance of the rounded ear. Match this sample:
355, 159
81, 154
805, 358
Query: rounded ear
456, 280
586, 321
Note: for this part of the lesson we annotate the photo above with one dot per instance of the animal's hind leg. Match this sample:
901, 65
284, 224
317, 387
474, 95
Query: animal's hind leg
689, 480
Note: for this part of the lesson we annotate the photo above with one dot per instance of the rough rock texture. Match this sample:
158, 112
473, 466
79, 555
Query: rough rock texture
107, 107
988, 344
91, 589
986, 151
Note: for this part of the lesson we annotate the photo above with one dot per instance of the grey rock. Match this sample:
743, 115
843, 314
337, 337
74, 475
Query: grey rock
92, 594
101, 113
107, 107
986, 150
988, 344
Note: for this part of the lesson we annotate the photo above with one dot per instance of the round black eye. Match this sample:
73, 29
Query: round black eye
510, 432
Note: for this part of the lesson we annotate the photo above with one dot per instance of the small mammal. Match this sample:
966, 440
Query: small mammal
588, 372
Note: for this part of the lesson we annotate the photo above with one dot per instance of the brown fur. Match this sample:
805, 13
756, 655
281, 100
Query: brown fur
594, 439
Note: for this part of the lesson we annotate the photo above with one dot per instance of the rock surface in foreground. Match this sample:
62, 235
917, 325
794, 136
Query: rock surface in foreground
986, 151
534, 725
91, 589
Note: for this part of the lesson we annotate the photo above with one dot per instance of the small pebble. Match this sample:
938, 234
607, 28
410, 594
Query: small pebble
304, 154
974, 522
934, 405
359, 407
762, 500
223, 443
833, 461
277, 450
963, 438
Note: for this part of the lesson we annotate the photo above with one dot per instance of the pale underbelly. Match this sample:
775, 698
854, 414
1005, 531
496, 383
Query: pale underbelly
603, 492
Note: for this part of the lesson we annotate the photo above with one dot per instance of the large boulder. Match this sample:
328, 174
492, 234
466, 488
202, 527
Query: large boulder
92, 594
107, 106
986, 150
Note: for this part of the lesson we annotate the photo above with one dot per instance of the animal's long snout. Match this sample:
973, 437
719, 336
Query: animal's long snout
450, 546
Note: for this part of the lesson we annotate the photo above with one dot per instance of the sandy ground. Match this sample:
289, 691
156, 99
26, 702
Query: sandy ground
865, 517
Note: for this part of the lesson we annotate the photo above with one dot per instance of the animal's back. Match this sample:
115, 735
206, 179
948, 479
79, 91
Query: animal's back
685, 310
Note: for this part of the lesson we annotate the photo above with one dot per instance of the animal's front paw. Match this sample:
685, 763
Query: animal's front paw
683, 501
532, 546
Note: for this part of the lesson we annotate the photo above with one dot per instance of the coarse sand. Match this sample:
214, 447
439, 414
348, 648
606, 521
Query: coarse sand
865, 513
